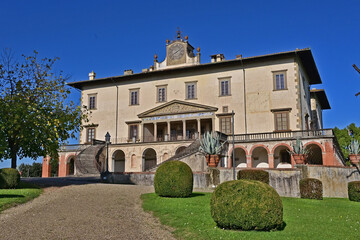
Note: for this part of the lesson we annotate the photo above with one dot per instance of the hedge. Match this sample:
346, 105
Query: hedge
354, 191
311, 188
9, 178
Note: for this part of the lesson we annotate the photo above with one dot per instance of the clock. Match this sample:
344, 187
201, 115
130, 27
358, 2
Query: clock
176, 51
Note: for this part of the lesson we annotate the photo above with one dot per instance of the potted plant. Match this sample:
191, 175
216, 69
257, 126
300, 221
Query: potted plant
298, 152
354, 152
211, 147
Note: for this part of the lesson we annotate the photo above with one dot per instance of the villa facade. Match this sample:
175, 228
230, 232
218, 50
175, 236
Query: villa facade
156, 114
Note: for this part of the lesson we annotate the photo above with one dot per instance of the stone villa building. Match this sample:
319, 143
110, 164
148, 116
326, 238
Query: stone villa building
156, 114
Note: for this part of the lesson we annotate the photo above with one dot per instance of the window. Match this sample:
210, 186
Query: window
191, 90
225, 125
133, 131
280, 80
92, 101
161, 93
134, 97
90, 135
281, 121
224, 87
225, 109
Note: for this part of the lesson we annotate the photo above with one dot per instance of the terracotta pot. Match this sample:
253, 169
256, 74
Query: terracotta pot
354, 158
212, 160
299, 158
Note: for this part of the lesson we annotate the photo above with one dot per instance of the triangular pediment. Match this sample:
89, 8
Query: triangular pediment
177, 107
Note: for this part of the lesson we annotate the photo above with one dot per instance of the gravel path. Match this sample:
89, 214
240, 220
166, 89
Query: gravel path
92, 211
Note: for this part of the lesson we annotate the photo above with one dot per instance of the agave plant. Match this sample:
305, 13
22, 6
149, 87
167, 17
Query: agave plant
210, 144
354, 147
298, 147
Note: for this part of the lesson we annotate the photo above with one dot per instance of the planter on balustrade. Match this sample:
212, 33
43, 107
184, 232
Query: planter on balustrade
299, 158
212, 160
354, 158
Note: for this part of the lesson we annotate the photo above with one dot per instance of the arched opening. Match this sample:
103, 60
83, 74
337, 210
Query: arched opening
179, 149
282, 157
260, 158
71, 166
149, 159
240, 158
314, 154
133, 161
119, 161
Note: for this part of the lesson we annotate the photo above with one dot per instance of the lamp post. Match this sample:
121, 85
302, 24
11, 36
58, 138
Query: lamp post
107, 140
233, 143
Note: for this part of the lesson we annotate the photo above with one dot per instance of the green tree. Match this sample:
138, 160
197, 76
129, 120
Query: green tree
27, 170
344, 136
36, 116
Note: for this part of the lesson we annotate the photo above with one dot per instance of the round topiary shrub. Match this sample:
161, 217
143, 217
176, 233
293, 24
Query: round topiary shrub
254, 174
311, 188
9, 178
354, 191
173, 179
246, 205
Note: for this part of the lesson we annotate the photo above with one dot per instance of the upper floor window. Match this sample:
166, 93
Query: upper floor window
133, 131
225, 125
134, 96
90, 134
92, 101
191, 90
224, 87
281, 121
161, 93
280, 80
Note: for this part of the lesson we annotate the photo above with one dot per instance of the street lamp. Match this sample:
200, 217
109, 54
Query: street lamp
107, 140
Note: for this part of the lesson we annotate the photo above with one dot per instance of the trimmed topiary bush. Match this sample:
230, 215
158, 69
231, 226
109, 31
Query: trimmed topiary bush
173, 179
246, 205
354, 191
9, 178
311, 188
254, 174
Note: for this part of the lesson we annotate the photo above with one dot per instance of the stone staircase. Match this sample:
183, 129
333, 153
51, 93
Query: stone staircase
88, 161
193, 148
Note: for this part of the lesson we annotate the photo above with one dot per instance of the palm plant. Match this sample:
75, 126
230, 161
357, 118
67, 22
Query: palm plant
210, 144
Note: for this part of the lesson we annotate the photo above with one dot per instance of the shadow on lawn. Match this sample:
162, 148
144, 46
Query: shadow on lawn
11, 196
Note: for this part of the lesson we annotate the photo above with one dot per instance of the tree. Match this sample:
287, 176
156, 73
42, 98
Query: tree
27, 170
345, 135
36, 116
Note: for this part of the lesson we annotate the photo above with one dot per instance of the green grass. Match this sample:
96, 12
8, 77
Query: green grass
305, 219
23, 193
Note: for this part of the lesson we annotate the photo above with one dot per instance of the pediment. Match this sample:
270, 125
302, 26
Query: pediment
177, 107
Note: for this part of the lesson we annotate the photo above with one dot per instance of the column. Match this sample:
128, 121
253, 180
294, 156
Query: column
46, 168
213, 124
184, 129
199, 128
168, 130
141, 132
271, 160
155, 131
248, 161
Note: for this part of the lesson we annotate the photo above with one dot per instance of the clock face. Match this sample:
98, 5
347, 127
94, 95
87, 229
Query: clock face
176, 51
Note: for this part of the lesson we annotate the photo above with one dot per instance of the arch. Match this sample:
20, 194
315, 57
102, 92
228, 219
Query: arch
259, 156
259, 145
240, 157
133, 161
149, 159
179, 149
314, 154
316, 143
282, 157
280, 144
118, 161
70, 162
237, 146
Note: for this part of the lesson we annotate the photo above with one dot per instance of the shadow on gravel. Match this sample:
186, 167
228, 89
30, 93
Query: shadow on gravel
61, 181
11, 196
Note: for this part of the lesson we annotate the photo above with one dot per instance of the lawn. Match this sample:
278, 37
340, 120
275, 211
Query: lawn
305, 219
23, 193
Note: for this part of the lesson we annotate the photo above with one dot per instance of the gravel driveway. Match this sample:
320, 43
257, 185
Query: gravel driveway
92, 211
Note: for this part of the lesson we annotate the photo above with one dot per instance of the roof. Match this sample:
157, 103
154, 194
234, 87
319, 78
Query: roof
304, 55
321, 96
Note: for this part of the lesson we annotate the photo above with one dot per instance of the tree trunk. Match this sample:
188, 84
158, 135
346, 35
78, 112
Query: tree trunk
13, 153
13, 160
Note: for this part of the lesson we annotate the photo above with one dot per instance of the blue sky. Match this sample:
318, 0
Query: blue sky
111, 36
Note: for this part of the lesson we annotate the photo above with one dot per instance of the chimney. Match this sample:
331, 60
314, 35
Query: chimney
128, 72
217, 57
92, 75
239, 56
